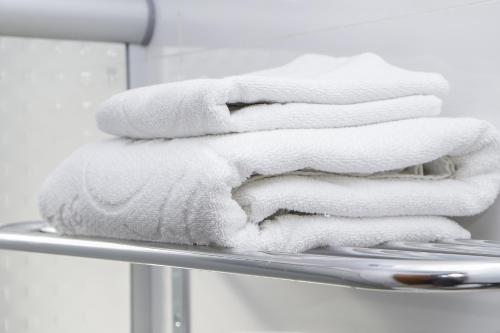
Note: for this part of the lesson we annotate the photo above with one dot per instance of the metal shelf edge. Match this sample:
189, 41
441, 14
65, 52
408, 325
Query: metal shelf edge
370, 268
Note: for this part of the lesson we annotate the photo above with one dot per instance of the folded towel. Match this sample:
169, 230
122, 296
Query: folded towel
313, 91
281, 190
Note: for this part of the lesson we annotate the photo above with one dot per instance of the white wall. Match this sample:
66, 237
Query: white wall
459, 38
48, 94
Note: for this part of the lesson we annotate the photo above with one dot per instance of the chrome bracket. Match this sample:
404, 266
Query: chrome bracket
180, 300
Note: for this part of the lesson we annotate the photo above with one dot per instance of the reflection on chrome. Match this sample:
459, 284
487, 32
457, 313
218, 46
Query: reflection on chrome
448, 265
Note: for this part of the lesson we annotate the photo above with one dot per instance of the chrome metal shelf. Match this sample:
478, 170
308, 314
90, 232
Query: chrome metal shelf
448, 265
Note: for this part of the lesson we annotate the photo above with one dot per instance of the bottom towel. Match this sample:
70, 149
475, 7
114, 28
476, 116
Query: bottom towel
281, 190
292, 233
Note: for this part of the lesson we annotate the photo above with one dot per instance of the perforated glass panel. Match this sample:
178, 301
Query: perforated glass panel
48, 94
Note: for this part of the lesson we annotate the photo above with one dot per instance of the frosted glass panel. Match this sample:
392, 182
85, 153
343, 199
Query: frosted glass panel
48, 94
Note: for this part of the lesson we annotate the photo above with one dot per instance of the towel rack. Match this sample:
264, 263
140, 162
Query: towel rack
444, 266
123, 21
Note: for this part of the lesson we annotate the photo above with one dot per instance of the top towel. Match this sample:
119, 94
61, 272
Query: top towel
313, 91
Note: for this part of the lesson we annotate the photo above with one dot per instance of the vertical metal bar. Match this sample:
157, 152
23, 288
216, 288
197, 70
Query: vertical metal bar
144, 280
180, 300
157, 306
149, 300
160, 315
140, 299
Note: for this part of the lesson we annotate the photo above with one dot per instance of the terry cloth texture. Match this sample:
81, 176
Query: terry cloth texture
281, 190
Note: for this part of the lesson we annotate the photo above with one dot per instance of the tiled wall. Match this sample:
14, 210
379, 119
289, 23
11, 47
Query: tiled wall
48, 94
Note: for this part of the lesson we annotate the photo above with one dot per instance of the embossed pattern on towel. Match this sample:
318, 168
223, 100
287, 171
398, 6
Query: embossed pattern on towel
195, 189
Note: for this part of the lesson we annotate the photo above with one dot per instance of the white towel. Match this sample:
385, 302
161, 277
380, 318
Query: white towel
282, 190
313, 91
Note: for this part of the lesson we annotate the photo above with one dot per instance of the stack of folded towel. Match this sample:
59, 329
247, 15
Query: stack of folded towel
322, 151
